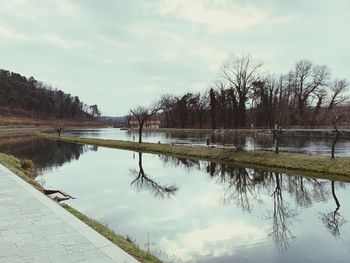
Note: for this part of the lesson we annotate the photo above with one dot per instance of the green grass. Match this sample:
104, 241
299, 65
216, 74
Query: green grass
123, 242
23, 168
293, 163
200, 131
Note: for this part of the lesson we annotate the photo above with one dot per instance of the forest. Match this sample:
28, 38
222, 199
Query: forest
245, 96
28, 97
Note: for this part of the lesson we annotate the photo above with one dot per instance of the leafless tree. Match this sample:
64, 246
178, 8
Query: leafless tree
338, 88
167, 102
281, 112
143, 114
306, 80
335, 116
241, 73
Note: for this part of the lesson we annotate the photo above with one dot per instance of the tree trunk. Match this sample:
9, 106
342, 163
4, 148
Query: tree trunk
140, 132
278, 134
334, 142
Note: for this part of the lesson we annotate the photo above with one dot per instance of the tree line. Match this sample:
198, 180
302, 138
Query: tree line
21, 96
244, 96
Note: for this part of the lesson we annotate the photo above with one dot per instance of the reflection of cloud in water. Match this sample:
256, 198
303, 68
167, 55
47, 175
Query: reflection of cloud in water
194, 224
216, 239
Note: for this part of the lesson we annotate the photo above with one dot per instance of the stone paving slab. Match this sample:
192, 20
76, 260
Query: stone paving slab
33, 228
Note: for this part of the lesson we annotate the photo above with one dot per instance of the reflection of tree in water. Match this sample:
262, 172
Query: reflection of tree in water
333, 220
244, 186
240, 184
44, 153
282, 217
306, 190
143, 182
177, 161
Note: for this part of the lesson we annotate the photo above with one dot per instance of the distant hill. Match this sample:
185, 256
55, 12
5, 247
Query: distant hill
30, 98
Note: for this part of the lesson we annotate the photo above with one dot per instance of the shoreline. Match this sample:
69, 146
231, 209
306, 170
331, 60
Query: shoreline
16, 166
311, 132
292, 163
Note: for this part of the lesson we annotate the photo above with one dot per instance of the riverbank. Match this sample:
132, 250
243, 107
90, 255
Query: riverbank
22, 168
25, 170
315, 133
292, 163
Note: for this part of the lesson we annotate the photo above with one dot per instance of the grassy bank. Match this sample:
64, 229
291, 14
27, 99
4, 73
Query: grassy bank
124, 243
23, 168
26, 170
302, 164
201, 131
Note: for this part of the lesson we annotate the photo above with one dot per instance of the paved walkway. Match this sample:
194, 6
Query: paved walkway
33, 228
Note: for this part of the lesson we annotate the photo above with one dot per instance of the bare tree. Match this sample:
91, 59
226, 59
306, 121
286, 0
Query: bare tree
306, 80
241, 73
335, 116
281, 112
143, 114
338, 88
167, 101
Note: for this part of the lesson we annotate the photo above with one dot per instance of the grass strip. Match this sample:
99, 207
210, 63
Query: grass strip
124, 243
302, 164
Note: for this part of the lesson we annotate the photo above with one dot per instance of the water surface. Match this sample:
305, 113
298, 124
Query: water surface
196, 211
309, 145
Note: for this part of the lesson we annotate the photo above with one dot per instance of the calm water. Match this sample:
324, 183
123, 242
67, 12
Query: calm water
320, 146
197, 211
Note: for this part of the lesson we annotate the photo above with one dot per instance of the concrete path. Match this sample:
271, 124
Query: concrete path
33, 228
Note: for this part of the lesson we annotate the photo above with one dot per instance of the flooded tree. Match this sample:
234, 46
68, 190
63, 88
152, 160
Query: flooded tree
143, 182
143, 114
277, 134
335, 116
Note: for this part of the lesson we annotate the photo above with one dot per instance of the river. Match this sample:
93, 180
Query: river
196, 211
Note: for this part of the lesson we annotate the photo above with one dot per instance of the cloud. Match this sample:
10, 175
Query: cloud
217, 15
9, 34
215, 239
36, 10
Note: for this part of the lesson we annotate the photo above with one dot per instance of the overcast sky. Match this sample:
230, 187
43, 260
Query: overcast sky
120, 53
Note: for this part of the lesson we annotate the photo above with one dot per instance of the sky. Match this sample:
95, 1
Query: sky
119, 54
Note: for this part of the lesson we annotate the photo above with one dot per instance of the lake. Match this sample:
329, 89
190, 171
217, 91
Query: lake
196, 211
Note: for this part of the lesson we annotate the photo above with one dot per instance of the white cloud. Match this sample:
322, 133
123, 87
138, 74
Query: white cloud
36, 10
217, 15
216, 239
9, 34
59, 41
